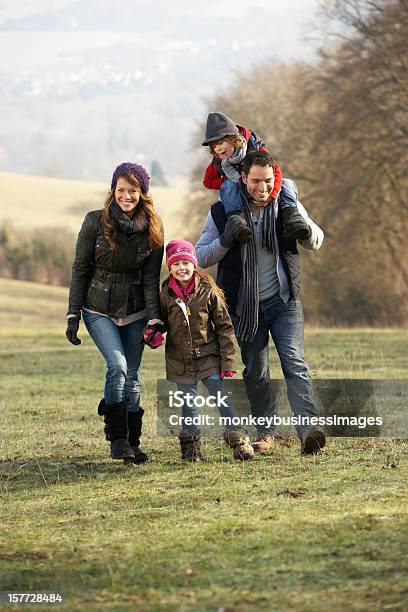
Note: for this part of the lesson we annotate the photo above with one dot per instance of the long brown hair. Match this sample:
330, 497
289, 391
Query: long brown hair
145, 216
206, 278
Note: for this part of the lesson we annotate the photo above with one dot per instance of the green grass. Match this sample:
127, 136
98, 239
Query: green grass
168, 536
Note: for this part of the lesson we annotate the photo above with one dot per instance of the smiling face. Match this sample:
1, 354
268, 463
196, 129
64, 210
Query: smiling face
182, 270
259, 183
223, 149
126, 195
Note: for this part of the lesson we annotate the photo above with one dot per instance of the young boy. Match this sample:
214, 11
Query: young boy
229, 143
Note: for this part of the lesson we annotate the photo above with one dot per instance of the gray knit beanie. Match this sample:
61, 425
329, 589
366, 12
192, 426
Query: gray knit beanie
138, 172
218, 126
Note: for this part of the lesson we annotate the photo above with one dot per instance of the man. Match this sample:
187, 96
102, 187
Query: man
261, 280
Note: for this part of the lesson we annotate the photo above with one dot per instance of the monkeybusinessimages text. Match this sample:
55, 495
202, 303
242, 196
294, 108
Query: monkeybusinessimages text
178, 398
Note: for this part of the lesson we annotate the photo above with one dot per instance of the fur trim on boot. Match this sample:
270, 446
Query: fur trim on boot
240, 444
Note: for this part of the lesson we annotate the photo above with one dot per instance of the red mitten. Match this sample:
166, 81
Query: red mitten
153, 338
227, 374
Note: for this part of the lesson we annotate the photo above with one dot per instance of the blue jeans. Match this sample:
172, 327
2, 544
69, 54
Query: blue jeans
122, 351
285, 324
230, 196
214, 385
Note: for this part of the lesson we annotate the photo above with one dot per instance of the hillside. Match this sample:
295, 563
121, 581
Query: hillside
36, 201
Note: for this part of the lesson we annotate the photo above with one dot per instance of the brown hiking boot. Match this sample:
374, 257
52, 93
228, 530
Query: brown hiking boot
263, 444
240, 444
190, 446
312, 442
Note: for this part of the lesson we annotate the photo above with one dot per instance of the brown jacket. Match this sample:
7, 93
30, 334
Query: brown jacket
200, 336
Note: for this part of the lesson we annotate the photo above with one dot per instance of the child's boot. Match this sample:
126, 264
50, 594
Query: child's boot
190, 445
295, 226
240, 444
242, 232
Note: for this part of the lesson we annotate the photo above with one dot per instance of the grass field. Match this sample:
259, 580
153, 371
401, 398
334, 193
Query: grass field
166, 536
51, 202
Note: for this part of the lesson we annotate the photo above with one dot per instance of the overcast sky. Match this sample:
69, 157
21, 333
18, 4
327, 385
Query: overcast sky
169, 54
282, 26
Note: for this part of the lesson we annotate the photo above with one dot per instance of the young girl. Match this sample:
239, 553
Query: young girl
228, 144
199, 343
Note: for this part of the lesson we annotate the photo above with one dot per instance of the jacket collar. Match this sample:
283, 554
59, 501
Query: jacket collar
166, 283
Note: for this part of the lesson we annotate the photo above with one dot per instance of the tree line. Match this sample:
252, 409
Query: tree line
43, 255
338, 127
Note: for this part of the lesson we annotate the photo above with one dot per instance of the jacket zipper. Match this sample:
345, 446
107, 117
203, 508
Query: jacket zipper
184, 307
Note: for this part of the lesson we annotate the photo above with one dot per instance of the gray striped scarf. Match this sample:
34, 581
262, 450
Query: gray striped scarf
248, 302
230, 165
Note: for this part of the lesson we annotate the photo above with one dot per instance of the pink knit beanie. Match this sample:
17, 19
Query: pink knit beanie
180, 249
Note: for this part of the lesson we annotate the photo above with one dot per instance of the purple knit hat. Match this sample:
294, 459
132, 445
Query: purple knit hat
138, 172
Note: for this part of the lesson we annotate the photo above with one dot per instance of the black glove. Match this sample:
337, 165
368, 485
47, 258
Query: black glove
236, 228
72, 330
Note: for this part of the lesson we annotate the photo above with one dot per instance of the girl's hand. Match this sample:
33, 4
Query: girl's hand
152, 336
227, 374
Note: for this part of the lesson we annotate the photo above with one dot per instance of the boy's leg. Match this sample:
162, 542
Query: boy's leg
295, 226
230, 197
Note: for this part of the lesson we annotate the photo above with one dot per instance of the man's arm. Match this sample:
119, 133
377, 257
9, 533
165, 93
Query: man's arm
315, 240
208, 248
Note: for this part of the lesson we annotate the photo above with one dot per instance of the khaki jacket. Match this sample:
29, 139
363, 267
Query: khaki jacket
200, 336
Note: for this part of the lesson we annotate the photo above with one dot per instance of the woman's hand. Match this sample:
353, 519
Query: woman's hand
72, 330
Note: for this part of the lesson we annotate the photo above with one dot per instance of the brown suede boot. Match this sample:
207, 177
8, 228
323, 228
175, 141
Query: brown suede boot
263, 444
240, 444
190, 445
312, 442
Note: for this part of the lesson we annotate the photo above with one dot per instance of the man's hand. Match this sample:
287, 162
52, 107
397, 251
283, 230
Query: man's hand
236, 228
72, 331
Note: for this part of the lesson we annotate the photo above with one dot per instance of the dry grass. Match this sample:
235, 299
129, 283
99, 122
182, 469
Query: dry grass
51, 202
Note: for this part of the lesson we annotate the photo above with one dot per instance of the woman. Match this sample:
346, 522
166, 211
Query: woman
115, 285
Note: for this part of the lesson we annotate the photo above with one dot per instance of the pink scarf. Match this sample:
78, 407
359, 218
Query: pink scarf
182, 292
